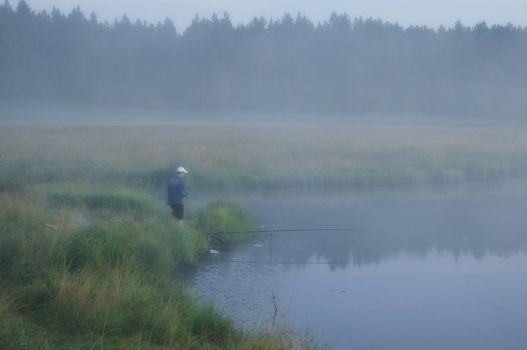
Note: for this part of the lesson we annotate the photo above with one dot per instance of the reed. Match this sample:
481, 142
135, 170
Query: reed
260, 155
108, 282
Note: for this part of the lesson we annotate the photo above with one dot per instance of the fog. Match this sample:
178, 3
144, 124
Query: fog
342, 65
406, 12
393, 150
411, 271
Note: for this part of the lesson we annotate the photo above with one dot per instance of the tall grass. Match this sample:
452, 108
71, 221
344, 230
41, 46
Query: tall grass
107, 284
87, 254
98, 198
261, 155
223, 223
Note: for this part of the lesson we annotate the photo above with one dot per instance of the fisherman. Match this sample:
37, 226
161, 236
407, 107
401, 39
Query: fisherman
176, 192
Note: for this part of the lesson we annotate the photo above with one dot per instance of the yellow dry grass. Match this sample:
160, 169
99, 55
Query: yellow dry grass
270, 151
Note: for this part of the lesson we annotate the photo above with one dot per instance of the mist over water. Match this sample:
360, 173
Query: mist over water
341, 65
413, 272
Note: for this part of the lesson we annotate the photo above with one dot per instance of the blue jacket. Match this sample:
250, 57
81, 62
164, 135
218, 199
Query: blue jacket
176, 191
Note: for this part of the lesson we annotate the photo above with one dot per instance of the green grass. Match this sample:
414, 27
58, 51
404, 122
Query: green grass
98, 198
223, 223
260, 155
108, 284
87, 254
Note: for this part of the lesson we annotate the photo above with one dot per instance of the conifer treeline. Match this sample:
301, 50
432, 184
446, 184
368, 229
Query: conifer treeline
343, 65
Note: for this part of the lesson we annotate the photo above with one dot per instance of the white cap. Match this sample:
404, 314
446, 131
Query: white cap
181, 170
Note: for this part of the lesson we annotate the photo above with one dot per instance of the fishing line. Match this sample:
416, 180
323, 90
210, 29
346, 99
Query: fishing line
271, 231
262, 262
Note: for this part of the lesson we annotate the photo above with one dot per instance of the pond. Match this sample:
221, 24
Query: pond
415, 270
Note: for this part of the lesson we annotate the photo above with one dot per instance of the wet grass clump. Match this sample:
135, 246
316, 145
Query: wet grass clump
224, 223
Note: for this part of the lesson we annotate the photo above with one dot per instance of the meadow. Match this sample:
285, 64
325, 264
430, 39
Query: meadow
88, 252
94, 268
271, 155
89, 257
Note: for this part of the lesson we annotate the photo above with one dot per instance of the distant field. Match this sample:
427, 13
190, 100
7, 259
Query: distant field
261, 155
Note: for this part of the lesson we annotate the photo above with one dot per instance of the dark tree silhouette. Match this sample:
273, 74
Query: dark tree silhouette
342, 65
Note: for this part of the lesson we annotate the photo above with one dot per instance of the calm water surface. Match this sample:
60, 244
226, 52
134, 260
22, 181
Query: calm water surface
419, 271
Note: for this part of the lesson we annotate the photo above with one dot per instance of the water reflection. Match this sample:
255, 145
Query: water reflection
381, 230
429, 273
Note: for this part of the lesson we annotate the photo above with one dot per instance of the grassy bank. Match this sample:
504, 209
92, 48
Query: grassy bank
90, 267
87, 255
265, 155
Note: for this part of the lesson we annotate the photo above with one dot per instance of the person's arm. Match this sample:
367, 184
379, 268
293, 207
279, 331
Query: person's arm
183, 190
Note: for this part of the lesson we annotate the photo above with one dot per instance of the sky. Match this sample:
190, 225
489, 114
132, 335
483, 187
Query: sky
406, 12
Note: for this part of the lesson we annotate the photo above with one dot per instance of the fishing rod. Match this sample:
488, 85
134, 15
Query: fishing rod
271, 231
284, 262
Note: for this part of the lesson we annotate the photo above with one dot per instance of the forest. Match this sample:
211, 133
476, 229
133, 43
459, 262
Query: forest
344, 65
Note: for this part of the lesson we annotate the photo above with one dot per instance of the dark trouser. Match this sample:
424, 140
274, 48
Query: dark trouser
177, 210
